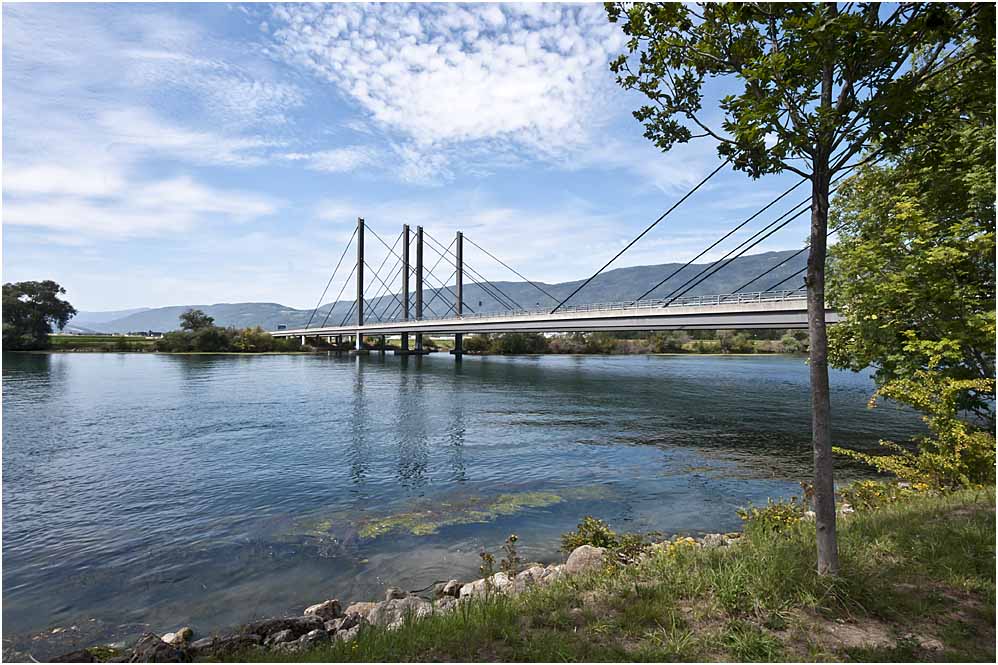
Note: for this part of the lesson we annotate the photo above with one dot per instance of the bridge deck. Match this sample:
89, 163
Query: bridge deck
767, 309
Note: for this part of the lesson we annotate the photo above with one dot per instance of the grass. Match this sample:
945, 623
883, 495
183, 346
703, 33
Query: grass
100, 342
917, 583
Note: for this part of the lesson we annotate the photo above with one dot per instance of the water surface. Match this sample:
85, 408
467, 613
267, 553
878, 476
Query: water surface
157, 490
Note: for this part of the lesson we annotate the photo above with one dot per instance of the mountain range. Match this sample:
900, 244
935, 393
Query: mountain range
611, 286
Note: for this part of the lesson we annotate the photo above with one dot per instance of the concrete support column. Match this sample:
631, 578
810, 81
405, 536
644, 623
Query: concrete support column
382, 345
405, 284
303, 340
360, 280
419, 285
459, 291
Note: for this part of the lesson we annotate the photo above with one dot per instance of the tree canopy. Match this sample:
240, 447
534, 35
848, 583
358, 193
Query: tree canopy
30, 309
870, 60
195, 319
913, 272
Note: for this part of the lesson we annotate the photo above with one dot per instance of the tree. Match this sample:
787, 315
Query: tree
913, 272
30, 309
819, 85
195, 319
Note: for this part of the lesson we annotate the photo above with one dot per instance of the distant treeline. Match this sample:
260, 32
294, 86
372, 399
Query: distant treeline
213, 339
694, 341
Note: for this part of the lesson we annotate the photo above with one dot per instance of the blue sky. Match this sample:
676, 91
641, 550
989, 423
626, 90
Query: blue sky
177, 154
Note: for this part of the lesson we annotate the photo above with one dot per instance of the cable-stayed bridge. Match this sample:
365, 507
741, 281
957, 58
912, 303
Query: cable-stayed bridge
397, 306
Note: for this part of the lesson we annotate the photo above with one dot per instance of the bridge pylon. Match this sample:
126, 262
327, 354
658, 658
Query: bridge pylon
360, 282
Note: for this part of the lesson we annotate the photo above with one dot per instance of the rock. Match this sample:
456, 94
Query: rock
298, 625
445, 603
394, 593
202, 644
393, 613
846, 509
471, 589
179, 637
349, 634
712, 540
585, 558
151, 649
361, 610
280, 637
220, 646
451, 588
530, 577
313, 637
81, 656
553, 572
327, 610
931, 644
809, 515
498, 583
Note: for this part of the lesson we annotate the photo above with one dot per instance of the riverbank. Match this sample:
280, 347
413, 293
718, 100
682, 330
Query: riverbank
917, 584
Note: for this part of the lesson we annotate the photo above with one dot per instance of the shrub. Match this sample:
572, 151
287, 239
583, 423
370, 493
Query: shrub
734, 343
625, 547
253, 340
775, 516
518, 343
793, 345
476, 344
956, 454
667, 342
873, 494
600, 343
211, 339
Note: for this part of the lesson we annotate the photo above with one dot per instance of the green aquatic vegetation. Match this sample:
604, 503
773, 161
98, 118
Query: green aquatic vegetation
474, 510
427, 517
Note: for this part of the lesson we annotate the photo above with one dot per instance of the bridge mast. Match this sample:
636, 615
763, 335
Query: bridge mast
405, 284
419, 285
360, 281
459, 291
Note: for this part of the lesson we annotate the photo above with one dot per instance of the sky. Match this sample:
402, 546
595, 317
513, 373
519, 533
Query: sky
172, 154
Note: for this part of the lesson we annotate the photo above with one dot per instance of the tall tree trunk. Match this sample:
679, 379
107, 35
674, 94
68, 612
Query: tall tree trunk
821, 408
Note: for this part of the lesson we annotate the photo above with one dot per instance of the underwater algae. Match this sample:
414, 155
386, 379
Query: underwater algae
426, 517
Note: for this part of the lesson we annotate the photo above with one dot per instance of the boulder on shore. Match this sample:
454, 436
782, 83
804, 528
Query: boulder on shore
297, 625
151, 649
585, 558
327, 610
392, 613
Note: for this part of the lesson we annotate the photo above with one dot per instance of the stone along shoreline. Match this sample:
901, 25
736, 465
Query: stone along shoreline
329, 620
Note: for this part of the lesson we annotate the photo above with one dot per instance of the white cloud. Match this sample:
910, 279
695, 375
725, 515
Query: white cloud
60, 179
532, 77
140, 210
336, 160
138, 129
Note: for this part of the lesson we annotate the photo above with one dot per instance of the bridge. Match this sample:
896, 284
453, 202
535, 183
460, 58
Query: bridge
403, 309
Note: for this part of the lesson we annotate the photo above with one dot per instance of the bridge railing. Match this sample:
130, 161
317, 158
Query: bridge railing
687, 301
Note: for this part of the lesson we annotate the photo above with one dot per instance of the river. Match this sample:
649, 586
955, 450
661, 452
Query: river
153, 491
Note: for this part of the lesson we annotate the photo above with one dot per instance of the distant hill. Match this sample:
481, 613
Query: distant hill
613, 285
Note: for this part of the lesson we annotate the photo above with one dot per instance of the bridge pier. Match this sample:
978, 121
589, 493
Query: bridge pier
360, 281
419, 285
404, 343
459, 291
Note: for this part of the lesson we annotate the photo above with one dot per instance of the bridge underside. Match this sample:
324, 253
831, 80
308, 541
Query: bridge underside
713, 317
